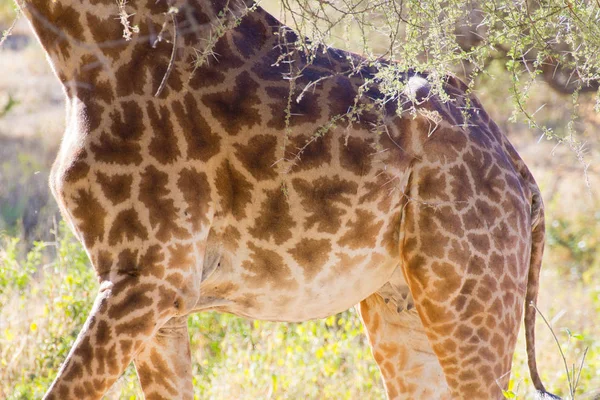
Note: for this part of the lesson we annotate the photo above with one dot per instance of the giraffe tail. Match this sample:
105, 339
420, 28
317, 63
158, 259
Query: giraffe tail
538, 234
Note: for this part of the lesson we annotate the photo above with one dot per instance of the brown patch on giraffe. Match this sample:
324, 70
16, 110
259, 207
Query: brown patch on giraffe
356, 155
145, 375
206, 76
136, 327
342, 96
459, 183
246, 300
162, 373
128, 125
345, 263
380, 189
267, 268
432, 185
77, 166
73, 371
363, 231
91, 215
107, 32
226, 58
126, 225
236, 108
258, 156
103, 333
233, 188
168, 300
311, 255
391, 237
222, 290
189, 18
434, 312
102, 261
231, 237
56, 17
310, 152
433, 243
397, 143
459, 252
154, 7
488, 177
116, 151
202, 143
94, 113
196, 192
447, 281
137, 298
163, 214
180, 256
163, 145
481, 242
445, 145
147, 58
89, 71
305, 111
274, 220
151, 262
271, 67
175, 278
250, 36
127, 263
321, 199
116, 188
449, 220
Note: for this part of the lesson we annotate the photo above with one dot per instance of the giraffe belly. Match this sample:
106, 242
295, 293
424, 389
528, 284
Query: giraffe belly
283, 293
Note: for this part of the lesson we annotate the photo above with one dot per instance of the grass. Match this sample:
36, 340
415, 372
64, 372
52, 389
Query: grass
46, 295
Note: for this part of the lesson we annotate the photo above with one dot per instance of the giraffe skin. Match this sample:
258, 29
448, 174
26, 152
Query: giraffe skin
254, 184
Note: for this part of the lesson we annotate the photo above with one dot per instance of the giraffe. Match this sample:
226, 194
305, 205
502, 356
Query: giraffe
272, 184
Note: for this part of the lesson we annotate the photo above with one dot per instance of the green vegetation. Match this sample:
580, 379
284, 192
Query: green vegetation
46, 293
558, 41
45, 297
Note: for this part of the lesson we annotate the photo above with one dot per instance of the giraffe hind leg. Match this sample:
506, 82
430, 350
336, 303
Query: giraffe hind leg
408, 365
164, 364
470, 302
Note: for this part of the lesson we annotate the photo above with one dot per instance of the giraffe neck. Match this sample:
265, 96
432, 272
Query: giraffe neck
89, 42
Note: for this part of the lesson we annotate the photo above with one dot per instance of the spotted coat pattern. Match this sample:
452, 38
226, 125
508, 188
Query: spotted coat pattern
244, 187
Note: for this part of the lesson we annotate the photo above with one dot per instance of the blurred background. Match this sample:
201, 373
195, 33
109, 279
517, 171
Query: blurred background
47, 287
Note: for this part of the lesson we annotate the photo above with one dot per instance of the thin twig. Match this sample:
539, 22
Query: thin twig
8, 32
581, 367
557, 344
172, 60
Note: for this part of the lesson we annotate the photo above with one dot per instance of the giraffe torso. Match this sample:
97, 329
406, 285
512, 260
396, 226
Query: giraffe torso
230, 179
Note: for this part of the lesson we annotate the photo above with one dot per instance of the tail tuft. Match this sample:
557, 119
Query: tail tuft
546, 396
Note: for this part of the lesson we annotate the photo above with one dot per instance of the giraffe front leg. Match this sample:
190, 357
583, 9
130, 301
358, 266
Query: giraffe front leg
164, 364
127, 312
408, 365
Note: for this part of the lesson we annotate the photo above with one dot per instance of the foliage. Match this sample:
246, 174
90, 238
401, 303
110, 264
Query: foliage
44, 301
45, 297
25, 209
556, 40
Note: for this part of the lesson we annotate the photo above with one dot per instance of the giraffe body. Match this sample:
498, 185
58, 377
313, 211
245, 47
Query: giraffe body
236, 190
